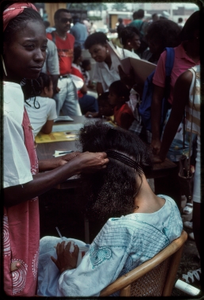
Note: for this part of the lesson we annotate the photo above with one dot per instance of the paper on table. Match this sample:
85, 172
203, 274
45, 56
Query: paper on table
55, 137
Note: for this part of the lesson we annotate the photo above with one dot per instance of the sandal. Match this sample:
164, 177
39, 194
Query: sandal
188, 209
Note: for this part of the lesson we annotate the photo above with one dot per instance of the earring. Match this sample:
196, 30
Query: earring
3, 64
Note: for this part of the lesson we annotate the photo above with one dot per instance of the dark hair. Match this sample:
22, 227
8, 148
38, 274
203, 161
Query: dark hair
111, 191
85, 63
140, 13
34, 87
19, 21
191, 25
58, 13
120, 89
94, 39
128, 33
77, 53
164, 31
180, 19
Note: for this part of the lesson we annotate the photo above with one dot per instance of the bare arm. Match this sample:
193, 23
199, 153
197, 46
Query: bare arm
156, 117
47, 127
181, 97
42, 182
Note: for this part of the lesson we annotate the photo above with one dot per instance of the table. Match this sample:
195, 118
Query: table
46, 151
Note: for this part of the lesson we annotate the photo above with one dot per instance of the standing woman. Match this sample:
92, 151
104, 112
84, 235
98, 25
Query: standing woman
24, 50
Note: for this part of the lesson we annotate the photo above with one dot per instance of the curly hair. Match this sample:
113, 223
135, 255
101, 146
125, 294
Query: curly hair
111, 191
165, 32
94, 39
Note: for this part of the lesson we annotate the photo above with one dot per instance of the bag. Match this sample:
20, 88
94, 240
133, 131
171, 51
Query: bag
185, 177
145, 106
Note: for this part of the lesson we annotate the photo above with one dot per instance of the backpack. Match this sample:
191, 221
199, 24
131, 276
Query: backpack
146, 102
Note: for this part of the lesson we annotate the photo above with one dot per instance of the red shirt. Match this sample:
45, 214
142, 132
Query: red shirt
65, 51
124, 109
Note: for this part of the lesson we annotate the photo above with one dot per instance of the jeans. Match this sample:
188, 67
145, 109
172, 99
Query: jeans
67, 99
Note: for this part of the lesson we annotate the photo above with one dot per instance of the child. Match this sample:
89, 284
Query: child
118, 98
86, 67
86, 102
40, 106
104, 107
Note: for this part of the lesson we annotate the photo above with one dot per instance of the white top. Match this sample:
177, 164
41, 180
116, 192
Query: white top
46, 112
106, 76
16, 167
122, 244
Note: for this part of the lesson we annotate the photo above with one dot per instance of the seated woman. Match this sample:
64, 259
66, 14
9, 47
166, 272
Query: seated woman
138, 223
39, 104
106, 71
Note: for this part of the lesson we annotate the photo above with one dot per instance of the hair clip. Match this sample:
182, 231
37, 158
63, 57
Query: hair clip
123, 158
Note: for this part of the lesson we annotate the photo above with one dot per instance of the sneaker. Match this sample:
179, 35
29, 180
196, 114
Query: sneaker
191, 236
188, 224
192, 276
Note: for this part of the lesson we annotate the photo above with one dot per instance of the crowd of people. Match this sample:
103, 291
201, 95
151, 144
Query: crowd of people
45, 75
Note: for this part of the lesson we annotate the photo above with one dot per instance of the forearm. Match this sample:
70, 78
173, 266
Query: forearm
99, 88
41, 183
156, 112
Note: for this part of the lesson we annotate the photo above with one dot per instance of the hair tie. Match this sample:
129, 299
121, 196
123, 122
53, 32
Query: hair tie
123, 158
13, 11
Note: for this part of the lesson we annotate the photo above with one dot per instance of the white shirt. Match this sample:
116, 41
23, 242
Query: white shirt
106, 76
16, 166
46, 112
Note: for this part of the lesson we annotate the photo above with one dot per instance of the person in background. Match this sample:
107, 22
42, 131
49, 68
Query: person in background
92, 28
140, 24
66, 98
137, 223
86, 67
155, 17
24, 179
180, 22
118, 97
86, 101
160, 34
106, 71
130, 38
39, 104
79, 31
187, 55
190, 102
105, 110
51, 64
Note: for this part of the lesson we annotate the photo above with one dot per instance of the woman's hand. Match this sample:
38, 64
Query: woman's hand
66, 260
91, 162
155, 145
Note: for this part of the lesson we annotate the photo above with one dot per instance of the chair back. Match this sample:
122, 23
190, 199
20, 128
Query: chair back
155, 277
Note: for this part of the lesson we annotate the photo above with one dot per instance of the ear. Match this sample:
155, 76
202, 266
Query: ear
45, 90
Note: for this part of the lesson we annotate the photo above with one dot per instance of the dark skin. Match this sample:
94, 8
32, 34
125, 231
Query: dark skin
192, 48
182, 84
24, 57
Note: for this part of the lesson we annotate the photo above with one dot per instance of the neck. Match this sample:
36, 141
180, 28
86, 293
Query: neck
62, 35
108, 61
146, 201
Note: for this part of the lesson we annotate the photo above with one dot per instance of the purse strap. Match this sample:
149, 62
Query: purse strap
190, 142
